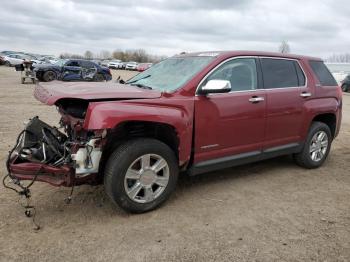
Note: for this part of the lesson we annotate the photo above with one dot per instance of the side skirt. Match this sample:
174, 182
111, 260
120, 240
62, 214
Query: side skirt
244, 158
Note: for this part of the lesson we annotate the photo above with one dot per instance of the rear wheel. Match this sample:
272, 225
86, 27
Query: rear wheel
99, 78
7, 63
141, 174
49, 76
316, 147
345, 88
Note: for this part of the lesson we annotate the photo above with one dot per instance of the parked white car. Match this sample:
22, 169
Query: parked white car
105, 63
17, 59
14, 59
131, 65
115, 64
49, 59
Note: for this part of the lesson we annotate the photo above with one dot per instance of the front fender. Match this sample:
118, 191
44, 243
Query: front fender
178, 114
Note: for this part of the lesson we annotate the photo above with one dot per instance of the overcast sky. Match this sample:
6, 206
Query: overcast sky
312, 27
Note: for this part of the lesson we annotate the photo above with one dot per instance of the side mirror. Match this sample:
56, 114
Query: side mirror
216, 86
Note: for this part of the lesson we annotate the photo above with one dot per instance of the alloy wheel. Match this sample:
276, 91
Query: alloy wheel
146, 178
318, 146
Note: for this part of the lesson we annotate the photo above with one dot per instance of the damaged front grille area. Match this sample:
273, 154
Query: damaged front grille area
42, 143
49, 155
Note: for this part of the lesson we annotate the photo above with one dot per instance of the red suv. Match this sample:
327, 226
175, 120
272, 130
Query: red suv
195, 112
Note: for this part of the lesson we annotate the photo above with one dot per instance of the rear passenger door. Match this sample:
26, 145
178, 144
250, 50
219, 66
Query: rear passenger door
286, 91
88, 70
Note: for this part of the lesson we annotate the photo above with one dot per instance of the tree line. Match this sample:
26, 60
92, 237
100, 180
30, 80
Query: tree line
339, 58
137, 55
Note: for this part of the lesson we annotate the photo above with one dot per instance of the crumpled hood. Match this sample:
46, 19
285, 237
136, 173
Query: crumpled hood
49, 93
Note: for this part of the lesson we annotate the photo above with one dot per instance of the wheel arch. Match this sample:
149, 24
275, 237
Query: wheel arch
329, 119
128, 130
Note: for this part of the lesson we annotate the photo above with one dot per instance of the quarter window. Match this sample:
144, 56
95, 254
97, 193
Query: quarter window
280, 73
241, 73
322, 73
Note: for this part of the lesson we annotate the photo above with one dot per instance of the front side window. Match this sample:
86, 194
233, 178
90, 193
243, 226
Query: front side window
240, 72
280, 73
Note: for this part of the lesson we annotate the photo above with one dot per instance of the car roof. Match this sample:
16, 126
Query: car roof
247, 53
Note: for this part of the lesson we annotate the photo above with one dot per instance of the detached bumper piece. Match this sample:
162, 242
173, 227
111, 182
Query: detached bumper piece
41, 154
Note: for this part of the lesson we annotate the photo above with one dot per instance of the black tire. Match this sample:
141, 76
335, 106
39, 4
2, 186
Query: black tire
7, 63
303, 158
99, 78
345, 88
119, 162
49, 76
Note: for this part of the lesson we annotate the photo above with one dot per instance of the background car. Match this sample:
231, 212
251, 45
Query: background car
131, 65
104, 63
49, 59
123, 65
15, 59
8, 52
143, 66
115, 64
72, 70
2, 61
345, 84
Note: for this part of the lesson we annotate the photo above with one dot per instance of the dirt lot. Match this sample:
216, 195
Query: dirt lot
268, 211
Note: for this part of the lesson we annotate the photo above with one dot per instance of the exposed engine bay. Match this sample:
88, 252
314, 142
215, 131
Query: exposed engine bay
41, 143
62, 158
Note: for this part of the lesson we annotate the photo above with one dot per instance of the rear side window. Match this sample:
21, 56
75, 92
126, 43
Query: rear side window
72, 63
322, 73
87, 64
280, 73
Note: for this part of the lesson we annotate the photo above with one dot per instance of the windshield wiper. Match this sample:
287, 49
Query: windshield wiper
143, 86
146, 76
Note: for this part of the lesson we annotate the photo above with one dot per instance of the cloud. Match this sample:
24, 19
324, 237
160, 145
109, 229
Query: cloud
312, 27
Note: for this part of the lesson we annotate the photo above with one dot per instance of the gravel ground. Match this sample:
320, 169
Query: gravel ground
267, 211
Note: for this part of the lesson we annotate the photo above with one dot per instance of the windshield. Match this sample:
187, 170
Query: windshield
60, 62
172, 73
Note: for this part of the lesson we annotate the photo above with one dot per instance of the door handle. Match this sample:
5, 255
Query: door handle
256, 99
305, 94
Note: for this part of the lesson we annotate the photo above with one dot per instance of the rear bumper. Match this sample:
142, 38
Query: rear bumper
108, 77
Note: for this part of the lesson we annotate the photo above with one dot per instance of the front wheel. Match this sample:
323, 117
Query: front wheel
316, 147
345, 88
7, 63
141, 174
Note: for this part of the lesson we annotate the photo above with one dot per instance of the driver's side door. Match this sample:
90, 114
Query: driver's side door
230, 124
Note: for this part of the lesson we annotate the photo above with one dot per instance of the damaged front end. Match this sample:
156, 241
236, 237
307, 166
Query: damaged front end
61, 158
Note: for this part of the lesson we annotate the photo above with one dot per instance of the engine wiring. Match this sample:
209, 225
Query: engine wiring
54, 152
30, 210
24, 191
